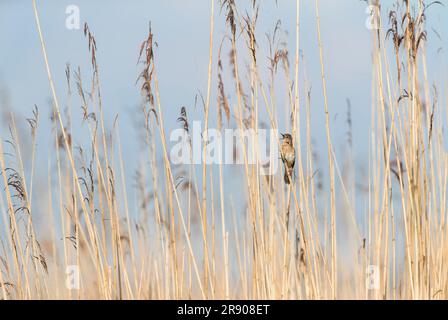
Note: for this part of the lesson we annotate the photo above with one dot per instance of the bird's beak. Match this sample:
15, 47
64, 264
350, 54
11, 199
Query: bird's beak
283, 135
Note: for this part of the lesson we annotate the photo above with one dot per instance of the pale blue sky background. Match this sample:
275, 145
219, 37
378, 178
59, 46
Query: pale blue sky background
181, 29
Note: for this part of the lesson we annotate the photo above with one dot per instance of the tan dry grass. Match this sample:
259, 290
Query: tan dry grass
280, 247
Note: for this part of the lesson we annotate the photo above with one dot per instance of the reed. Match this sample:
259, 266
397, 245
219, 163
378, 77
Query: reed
190, 236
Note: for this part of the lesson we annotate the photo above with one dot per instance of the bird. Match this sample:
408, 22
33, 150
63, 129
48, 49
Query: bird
288, 155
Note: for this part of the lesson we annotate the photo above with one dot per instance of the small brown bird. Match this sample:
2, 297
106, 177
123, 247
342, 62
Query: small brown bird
288, 155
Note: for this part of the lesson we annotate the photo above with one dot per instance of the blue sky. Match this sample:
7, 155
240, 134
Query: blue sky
181, 30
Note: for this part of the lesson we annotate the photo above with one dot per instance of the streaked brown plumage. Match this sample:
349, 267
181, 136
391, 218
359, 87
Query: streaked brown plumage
288, 155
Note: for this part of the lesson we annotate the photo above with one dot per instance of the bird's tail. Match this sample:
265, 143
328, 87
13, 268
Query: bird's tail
288, 175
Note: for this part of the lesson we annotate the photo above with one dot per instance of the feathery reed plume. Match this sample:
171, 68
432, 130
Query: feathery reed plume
223, 103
